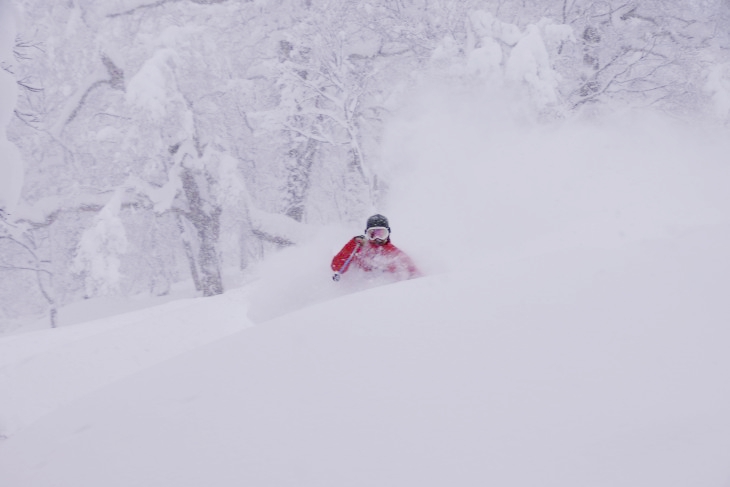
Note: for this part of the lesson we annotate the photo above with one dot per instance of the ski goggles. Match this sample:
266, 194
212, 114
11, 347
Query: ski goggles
377, 233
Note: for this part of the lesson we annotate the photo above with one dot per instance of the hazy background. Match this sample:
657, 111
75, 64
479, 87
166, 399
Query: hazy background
175, 148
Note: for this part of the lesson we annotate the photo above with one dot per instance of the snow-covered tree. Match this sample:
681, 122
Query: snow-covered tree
11, 165
171, 140
97, 254
647, 53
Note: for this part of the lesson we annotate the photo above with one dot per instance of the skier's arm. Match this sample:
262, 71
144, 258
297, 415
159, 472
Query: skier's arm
341, 261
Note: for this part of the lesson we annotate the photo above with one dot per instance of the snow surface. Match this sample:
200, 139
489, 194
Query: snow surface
41, 370
572, 331
571, 368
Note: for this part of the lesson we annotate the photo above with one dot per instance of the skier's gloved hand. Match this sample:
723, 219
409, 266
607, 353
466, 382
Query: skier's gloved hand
336, 277
360, 240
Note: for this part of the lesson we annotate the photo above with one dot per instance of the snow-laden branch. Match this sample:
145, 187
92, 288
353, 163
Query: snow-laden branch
21, 268
337, 101
275, 228
331, 115
107, 73
46, 211
308, 134
159, 3
161, 197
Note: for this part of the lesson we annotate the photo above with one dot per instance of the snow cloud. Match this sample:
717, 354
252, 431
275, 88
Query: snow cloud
471, 177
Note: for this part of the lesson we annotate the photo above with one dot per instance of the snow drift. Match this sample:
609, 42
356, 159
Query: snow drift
596, 367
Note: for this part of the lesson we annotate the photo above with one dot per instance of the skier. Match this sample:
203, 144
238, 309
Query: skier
374, 254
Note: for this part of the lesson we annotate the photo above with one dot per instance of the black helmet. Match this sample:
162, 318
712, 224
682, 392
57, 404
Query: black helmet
377, 221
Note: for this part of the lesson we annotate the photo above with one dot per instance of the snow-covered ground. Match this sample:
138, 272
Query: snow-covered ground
42, 370
571, 368
572, 331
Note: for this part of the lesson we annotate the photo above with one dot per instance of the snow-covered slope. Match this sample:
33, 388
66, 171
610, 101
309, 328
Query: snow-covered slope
570, 368
42, 370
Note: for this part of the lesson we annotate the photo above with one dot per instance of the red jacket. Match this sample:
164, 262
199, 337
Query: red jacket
367, 256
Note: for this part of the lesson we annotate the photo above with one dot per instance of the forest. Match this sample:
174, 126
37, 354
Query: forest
149, 143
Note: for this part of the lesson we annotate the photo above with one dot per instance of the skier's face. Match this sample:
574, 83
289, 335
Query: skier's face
377, 235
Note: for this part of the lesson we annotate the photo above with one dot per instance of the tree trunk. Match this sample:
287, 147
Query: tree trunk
212, 280
189, 253
207, 226
299, 179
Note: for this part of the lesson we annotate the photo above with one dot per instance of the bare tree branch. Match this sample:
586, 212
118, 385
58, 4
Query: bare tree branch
160, 3
21, 268
275, 239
